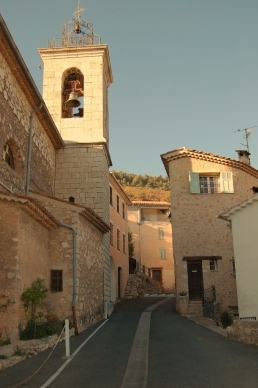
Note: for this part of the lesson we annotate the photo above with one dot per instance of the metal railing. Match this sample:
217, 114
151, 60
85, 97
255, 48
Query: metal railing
142, 269
208, 299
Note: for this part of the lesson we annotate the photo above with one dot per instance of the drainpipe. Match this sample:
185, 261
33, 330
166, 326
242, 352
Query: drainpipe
29, 149
74, 277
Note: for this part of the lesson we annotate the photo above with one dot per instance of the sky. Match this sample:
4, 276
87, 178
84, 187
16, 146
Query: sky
185, 71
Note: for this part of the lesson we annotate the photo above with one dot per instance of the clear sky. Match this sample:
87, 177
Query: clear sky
185, 71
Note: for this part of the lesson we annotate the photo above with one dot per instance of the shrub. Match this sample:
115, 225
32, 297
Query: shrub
37, 330
226, 319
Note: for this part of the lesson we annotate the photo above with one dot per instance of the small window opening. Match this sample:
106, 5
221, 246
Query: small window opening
8, 156
213, 265
71, 199
56, 281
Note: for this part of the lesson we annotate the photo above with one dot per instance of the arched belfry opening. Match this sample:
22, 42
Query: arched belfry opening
72, 93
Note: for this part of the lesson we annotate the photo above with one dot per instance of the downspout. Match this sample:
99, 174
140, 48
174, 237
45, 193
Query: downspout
29, 149
74, 277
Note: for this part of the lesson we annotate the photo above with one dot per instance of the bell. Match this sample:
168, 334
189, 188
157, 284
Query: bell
73, 101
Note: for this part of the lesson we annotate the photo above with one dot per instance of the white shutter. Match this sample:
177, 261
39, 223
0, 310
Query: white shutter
226, 182
163, 253
194, 182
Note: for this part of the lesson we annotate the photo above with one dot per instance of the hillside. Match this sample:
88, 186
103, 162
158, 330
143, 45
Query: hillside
144, 187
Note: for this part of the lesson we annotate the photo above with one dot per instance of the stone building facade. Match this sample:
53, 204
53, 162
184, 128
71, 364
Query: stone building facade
150, 225
54, 205
202, 186
119, 255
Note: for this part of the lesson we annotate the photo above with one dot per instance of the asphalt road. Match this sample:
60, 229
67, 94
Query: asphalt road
180, 353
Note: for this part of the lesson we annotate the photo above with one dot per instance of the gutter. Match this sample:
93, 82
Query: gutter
74, 277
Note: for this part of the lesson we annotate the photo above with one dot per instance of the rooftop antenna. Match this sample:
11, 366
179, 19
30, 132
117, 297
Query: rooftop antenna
248, 132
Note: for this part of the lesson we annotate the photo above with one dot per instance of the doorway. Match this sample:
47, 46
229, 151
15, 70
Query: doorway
195, 279
119, 282
157, 275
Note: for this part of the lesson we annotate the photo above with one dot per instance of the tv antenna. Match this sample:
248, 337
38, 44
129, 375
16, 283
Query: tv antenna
248, 132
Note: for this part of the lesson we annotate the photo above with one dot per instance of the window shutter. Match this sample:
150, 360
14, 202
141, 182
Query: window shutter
161, 233
194, 182
163, 253
226, 182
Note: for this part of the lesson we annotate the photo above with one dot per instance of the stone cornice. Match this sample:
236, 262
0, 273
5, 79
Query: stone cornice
27, 84
94, 219
189, 153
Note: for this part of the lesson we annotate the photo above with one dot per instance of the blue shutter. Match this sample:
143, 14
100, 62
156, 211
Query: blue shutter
226, 182
194, 182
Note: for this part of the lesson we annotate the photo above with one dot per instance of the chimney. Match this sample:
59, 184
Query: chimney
243, 156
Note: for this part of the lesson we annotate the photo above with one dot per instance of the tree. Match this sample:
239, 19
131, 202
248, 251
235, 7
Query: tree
130, 244
33, 299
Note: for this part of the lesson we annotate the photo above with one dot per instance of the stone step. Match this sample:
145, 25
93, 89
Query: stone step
195, 308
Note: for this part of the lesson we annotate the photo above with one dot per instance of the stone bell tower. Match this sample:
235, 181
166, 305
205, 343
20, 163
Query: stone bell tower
77, 74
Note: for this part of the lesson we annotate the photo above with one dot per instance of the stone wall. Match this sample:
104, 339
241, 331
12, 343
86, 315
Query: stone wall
196, 229
14, 119
244, 331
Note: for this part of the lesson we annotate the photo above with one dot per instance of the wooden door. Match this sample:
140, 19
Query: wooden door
157, 275
195, 279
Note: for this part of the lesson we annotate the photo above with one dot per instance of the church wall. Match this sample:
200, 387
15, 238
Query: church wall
89, 274
23, 258
14, 127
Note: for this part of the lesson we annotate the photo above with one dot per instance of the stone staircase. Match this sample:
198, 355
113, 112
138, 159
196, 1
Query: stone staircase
140, 284
195, 308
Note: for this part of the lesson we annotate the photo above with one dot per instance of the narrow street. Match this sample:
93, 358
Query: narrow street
177, 353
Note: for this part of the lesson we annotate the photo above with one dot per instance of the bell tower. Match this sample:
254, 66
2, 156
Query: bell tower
77, 74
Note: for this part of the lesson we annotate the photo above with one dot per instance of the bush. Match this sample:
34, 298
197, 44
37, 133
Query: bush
37, 330
226, 319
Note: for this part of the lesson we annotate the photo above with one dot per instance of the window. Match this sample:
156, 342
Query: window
163, 254
110, 195
117, 204
118, 239
123, 210
213, 265
161, 233
211, 183
8, 156
56, 281
208, 184
124, 251
111, 233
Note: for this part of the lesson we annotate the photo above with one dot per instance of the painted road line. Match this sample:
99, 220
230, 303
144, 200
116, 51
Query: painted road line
51, 379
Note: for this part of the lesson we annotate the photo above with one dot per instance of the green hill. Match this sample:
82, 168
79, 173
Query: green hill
144, 187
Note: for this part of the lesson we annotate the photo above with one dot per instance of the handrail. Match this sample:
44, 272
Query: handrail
142, 269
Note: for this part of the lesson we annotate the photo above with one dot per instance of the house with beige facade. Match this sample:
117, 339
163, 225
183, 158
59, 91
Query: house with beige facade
119, 255
54, 179
202, 186
150, 225
242, 220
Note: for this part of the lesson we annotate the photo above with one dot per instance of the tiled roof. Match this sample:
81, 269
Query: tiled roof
156, 204
186, 152
226, 215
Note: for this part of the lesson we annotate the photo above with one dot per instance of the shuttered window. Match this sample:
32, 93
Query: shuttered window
211, 184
